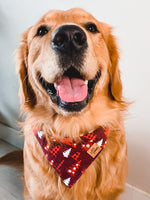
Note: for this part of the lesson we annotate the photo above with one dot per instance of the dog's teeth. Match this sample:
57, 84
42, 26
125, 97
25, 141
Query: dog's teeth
55, 85
86, 82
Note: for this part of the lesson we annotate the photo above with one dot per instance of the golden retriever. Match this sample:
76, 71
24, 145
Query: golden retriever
70, 84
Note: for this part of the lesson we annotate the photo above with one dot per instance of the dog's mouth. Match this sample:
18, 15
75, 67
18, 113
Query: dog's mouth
71, 92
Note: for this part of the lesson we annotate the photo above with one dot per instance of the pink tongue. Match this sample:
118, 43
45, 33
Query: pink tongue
71, 89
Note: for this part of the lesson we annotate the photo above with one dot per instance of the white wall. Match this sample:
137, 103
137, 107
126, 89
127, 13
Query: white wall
131, 19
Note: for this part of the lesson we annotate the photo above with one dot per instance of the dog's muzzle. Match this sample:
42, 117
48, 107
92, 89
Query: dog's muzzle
71, 91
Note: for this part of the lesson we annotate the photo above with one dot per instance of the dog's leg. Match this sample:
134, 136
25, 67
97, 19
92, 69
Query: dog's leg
26, 193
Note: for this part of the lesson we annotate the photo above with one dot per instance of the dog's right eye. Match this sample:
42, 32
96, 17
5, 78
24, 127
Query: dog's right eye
43, 30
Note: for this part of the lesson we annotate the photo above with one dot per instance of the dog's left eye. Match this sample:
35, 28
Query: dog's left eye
43, 30
91, 28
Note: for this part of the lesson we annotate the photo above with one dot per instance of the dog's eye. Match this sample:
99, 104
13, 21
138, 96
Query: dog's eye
43, 30
91, 28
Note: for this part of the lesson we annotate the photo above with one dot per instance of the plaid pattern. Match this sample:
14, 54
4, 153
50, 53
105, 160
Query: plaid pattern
71, 159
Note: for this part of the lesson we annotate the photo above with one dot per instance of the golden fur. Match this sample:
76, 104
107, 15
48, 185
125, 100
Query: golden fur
105, 178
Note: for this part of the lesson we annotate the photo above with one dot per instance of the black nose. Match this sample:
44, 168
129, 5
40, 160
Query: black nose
69, 38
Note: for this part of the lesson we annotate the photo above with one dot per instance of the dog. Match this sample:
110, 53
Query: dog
70, 85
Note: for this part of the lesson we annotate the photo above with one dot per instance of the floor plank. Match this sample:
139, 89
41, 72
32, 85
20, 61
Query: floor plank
5, 195
11, 186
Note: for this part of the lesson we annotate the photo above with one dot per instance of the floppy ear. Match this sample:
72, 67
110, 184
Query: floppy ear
115, 84
26, 93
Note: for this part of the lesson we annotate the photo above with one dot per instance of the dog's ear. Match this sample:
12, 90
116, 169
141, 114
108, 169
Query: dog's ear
26, 93
115, 84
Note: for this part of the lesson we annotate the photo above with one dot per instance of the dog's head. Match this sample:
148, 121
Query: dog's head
66, 61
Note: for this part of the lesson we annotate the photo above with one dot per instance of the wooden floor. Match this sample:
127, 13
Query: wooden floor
11, 187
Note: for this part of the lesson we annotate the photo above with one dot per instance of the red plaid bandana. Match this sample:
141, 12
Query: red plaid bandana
71, 159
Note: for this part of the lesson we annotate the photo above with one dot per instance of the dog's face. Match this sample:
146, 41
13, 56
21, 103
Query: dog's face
66, 60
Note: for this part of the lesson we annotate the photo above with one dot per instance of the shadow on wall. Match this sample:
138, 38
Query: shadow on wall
9, 116
2, 21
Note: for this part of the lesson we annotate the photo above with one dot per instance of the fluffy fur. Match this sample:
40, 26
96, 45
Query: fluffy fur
105, 178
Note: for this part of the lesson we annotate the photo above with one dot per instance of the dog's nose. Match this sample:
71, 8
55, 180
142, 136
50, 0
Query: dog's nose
69, 38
